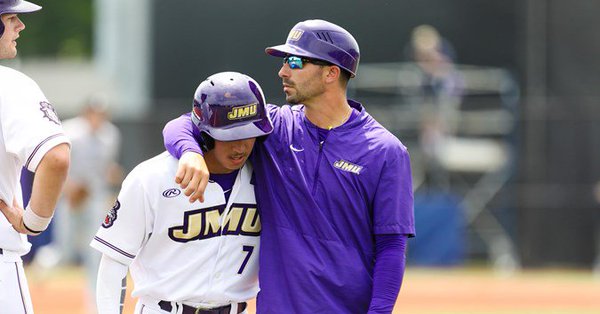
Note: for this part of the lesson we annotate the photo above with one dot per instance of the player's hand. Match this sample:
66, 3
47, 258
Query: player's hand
14, 215
192, 175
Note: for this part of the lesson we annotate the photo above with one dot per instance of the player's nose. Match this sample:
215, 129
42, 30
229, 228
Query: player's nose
238, 147
20, 25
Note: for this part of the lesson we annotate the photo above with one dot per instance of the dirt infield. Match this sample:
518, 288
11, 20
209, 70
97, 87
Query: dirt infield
483, 291
425, 291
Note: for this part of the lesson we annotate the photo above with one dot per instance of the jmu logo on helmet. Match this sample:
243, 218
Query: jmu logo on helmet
242, 112
295, 34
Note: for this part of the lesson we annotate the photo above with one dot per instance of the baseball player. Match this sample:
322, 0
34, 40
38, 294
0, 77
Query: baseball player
335, 186
95, 145
191, 257
31, 136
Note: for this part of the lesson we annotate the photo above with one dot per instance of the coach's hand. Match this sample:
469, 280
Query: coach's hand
14, 215
192, 175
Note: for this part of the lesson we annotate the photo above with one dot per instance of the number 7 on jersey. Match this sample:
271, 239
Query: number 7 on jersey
249, 249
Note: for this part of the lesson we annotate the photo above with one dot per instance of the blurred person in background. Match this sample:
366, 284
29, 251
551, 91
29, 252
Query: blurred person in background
31, 137
93, 176
437, 95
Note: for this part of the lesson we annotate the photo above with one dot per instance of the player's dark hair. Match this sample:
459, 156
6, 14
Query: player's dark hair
208, 142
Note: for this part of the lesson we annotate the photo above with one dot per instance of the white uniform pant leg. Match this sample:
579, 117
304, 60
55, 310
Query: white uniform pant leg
14, 295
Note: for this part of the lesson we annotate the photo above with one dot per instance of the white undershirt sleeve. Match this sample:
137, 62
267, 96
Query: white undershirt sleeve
110, 289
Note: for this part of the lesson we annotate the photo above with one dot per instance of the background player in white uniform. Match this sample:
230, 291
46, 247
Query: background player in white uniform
94, 171
191, 257
30, 136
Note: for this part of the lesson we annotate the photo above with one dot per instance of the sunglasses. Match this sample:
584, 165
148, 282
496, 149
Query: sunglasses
296, 62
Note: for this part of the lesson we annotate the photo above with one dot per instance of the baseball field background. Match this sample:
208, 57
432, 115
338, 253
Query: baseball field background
506, 133
425, 291
504, 139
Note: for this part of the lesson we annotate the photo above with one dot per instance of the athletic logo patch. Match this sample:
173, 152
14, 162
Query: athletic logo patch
295, 34
49, 112
171, 192
296, 149
111, 216
347, 166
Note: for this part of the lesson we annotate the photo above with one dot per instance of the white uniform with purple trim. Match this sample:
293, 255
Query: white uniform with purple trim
200, 254
29, 127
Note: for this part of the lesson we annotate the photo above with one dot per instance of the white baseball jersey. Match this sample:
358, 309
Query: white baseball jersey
29, 127
198, 254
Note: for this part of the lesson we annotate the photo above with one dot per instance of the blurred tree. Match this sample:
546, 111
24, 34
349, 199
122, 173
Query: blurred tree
62, 29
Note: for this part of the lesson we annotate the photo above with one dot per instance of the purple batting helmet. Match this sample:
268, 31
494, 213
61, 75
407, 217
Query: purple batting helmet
230, 106
16, 6
321, 40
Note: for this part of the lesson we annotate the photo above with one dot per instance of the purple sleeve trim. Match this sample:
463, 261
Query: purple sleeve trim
114, 248
39, 146
388, 272
179, 136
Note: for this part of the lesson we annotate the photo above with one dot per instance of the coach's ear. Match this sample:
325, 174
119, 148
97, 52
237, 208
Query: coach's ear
332, 73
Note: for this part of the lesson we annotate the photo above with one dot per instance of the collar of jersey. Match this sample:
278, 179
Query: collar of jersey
346, 126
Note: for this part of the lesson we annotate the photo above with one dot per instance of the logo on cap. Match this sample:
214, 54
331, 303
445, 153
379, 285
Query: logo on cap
295, 34
242, 112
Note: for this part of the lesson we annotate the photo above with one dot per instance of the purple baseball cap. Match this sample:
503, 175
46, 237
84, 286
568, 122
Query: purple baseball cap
18, 6
321, 40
